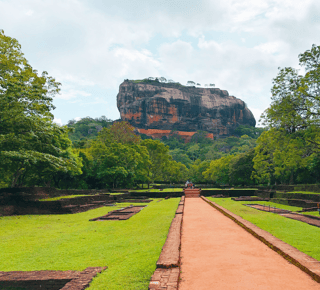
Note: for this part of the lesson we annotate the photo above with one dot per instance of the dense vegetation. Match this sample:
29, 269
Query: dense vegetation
87, 128
100, 153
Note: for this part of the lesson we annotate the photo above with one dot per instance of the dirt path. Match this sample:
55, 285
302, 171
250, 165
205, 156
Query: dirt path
216, 253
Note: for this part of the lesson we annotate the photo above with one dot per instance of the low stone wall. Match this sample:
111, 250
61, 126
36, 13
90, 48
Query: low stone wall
229, 192
265, 193
299, 187
18, 205
166, 275
42, 192
158, 194
292, 187
49, 280
301, 196
295, 202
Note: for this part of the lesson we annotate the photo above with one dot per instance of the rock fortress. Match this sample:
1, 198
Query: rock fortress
157, 109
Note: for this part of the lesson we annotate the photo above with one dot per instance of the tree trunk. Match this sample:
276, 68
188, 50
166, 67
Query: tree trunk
291, 178
16, 176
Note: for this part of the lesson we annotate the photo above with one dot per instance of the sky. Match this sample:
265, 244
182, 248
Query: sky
91, 46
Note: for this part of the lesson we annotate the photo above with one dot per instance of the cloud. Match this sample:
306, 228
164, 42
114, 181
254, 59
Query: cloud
57, 121
71, 94
89, 46
257, 114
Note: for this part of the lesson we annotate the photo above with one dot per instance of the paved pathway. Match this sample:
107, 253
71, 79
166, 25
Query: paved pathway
216, 253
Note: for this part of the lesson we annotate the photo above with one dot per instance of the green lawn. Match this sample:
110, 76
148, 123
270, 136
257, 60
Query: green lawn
62, 197
158, 190
73, 196
304, 192
315, 213
300, 235
129, 248
273, 204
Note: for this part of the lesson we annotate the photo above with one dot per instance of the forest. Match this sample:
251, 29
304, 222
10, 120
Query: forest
101, 153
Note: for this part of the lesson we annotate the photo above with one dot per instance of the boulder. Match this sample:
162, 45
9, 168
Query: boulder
153, 105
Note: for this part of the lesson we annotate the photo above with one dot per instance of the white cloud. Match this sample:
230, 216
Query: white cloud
29, 12
86, 45
72, 94
58, 121
257, 114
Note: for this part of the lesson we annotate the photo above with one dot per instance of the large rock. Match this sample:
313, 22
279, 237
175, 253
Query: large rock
154, 105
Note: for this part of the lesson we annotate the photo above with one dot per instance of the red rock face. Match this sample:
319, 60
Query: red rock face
161, 106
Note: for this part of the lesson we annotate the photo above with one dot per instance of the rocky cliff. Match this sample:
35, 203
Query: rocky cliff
170, 106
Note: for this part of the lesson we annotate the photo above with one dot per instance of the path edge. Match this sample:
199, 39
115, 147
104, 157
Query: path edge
301, 260
167, 273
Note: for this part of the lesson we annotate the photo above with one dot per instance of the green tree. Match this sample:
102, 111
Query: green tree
218, 170
179, 155
28, 136
175, 171
159, 158
119, 164
196, 170
120, 132
296, 98
279, 155
241, 167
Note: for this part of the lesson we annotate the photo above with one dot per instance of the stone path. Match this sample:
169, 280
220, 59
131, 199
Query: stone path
216, 253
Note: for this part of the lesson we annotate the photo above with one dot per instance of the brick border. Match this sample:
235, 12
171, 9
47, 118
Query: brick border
77, 280
304, 262
167, 273
120, 214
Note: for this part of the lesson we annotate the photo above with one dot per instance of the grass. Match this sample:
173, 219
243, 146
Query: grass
62, 197
304, 192
158, 190
72, 196
300, 235
315, 213
277, 205
129, 248
232, 188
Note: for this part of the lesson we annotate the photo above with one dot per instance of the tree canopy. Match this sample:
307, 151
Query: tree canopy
28, 137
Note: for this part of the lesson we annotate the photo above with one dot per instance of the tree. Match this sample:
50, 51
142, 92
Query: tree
179, 155
175, 171
194, 152
159, 158
196, 170
119, 164
120, 132
279, 155
190, 83
218, 170
296, 98
28, 136
241, 167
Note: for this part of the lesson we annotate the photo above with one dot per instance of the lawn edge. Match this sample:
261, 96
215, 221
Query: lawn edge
167, 273
301, 260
